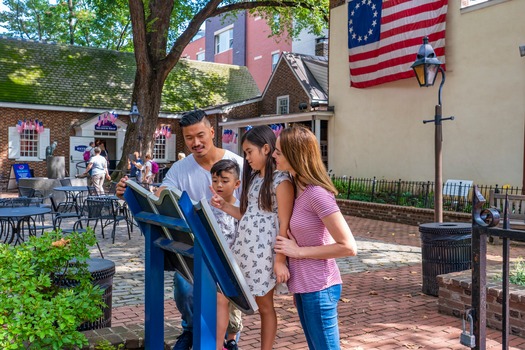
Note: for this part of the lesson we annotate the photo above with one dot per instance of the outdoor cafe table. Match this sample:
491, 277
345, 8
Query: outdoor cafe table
20, 214
73, 192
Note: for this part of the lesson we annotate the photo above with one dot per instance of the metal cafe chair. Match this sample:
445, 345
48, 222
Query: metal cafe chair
105, 210
60, 211
92, 191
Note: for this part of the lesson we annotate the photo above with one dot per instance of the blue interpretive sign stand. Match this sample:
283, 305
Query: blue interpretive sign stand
183, 235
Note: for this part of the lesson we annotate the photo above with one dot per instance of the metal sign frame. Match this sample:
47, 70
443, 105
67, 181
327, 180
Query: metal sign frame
185, 235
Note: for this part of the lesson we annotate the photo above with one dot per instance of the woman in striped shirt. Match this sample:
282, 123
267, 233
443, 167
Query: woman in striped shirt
318, 234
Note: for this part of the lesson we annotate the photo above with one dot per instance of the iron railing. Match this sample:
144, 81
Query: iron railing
420, 194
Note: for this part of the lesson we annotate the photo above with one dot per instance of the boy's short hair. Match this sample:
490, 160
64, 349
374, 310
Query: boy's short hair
227, 165
193, 117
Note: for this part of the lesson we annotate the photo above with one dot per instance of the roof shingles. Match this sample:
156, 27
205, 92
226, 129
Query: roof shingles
60, 75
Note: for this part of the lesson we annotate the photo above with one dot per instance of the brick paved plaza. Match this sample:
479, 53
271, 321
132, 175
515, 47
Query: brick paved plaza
382, 306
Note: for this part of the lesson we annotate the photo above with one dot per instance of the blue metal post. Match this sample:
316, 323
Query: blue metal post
153, 291
204, 303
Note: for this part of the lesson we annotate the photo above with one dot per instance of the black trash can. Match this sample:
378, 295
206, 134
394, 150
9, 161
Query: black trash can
445, 247
102, 271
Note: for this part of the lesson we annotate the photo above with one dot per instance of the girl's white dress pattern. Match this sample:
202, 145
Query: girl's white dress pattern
256, 235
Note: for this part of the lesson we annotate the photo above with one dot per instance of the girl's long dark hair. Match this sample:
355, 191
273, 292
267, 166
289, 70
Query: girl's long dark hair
259, 136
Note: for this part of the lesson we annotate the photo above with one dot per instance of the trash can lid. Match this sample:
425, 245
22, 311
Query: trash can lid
446, 228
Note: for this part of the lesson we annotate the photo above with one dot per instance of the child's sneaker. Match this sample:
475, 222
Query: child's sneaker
231, 345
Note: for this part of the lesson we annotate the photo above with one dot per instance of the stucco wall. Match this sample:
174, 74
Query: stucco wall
379, 132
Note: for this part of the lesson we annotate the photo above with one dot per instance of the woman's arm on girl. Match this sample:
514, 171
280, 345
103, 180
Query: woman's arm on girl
339, 230
285, 198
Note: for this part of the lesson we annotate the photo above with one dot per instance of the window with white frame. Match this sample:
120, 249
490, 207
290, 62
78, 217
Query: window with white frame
283, 103
275, 59
224, 40
200, 56
29, 144
159, 149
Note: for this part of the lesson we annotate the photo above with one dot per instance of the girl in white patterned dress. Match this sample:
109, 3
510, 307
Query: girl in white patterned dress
266, 206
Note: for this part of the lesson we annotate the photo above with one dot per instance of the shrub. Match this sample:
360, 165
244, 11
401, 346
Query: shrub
46, 292
517, 275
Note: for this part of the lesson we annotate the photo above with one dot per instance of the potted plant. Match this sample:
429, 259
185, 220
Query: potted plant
46, 292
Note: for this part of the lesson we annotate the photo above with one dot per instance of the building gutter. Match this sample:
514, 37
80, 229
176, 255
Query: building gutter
76, 109
277, 119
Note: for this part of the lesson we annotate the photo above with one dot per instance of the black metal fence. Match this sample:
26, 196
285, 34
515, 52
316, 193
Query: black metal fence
420, 194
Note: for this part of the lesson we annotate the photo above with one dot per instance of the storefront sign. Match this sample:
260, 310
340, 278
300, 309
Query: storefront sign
106, 127
21, 171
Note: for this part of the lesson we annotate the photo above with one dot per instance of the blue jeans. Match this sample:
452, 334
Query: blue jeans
183, 295
318, 314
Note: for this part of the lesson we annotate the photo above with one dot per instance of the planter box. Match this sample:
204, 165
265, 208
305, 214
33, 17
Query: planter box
455, 291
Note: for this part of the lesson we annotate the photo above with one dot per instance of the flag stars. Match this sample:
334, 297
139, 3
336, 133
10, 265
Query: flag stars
363, 31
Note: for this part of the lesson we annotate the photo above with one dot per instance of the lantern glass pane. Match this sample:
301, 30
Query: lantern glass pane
420, 74
431, 73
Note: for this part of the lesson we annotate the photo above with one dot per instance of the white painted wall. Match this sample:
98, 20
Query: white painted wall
305, 43
379, 132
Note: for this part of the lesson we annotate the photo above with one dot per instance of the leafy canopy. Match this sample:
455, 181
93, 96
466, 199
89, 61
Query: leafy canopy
107, 23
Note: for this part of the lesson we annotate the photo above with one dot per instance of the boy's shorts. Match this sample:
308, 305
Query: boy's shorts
235, 322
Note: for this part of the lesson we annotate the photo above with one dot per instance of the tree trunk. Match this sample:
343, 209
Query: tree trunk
147, 93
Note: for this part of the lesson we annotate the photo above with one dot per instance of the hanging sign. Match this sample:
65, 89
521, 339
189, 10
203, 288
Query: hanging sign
106, 122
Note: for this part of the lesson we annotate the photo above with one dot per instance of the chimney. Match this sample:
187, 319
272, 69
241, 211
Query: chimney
321, 47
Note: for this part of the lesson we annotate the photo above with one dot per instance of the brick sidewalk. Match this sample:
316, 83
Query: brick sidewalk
380, 309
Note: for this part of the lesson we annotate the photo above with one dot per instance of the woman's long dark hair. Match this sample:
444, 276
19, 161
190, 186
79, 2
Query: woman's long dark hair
259, 136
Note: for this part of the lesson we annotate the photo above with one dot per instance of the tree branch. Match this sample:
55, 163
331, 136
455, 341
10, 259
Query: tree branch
265, 3
193, 27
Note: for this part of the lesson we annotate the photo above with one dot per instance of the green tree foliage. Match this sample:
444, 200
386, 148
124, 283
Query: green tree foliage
97, 23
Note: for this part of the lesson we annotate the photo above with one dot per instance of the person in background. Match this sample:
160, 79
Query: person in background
98, 166
225, 175
181, 156
103, 152
91, 148
264, 213
191, 174
135, 167
147, 175
318, 235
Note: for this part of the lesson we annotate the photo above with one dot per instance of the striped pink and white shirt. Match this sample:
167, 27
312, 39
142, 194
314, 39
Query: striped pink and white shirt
307, 228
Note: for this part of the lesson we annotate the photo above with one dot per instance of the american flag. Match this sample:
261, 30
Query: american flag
384, 37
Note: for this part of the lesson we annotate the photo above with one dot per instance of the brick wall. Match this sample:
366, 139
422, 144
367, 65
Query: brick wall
284, 83
395, 213
455, 296
60, 124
